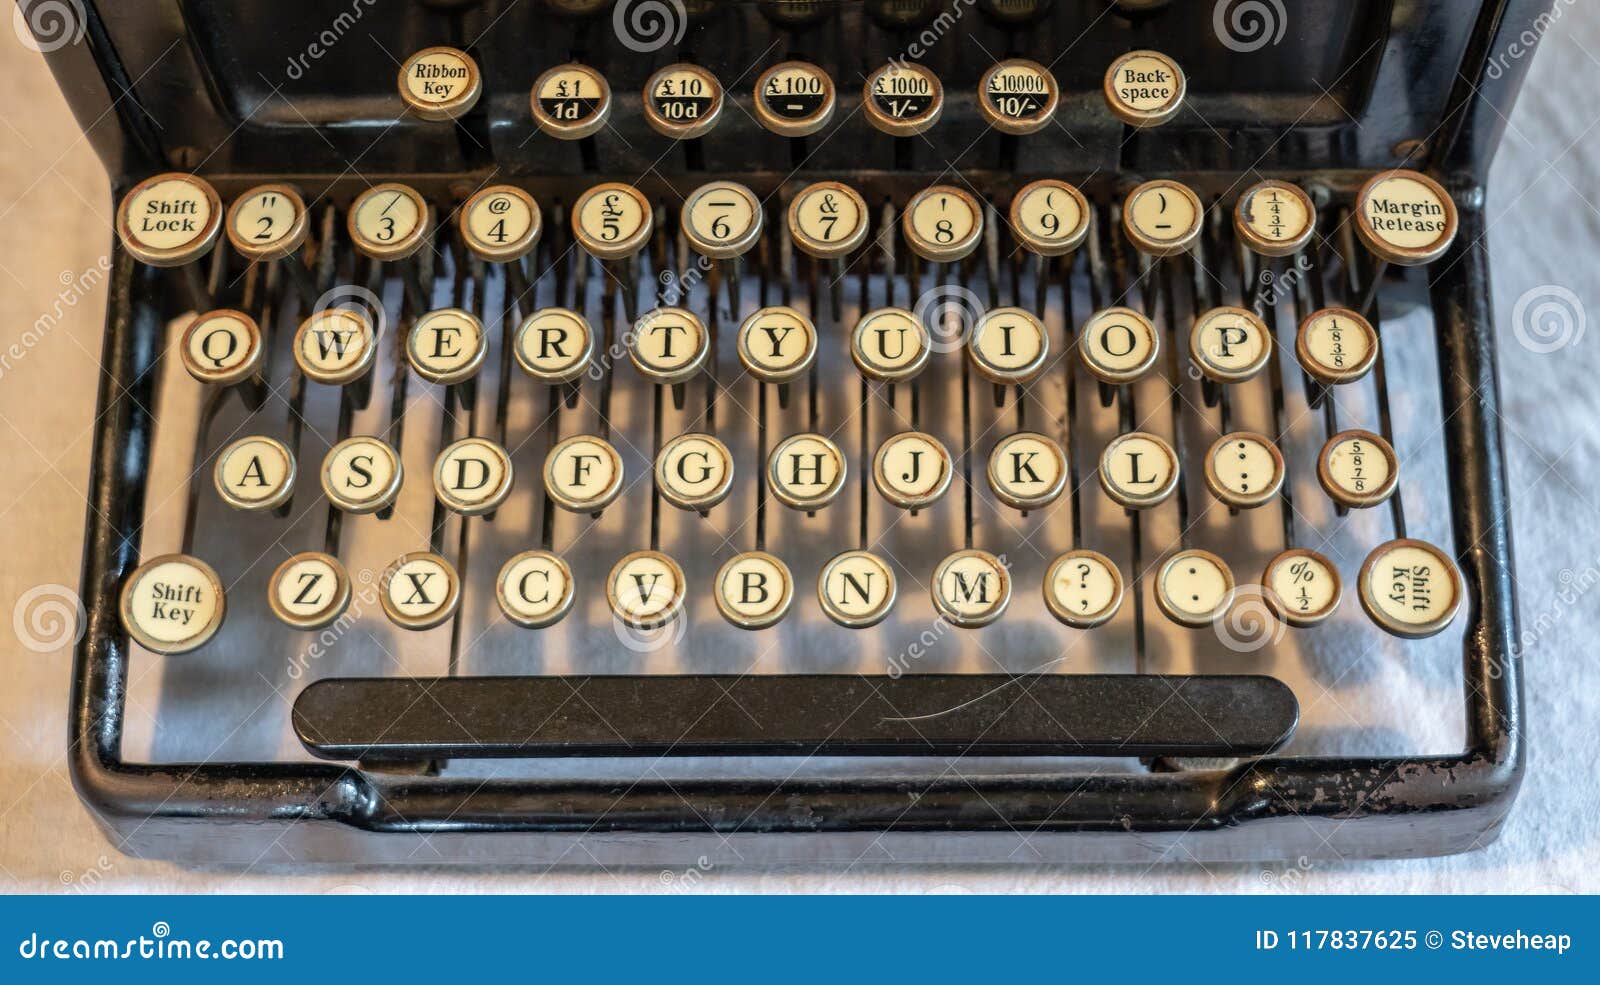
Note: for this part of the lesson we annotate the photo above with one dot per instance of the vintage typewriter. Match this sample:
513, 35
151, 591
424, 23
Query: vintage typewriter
562, 431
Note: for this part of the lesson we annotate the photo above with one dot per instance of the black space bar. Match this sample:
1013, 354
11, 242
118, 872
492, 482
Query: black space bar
411, 719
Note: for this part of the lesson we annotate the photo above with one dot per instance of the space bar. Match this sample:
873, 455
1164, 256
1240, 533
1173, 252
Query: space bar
413, 719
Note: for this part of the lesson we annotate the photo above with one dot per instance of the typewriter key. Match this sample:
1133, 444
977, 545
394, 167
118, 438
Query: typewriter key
1301, 587
754, 590
1163, 218
1405, 217
1411, 588
1244, 470
446, 346
682, 101
1018, 96
694, 472
172, 604
903, 98
1008, 345
1027, 471
554, 345
1083, 589
1194, 588
535, 589
890, 344
440, 83
612, 220
669, 345
828, 219
796, 13
1358, 469
267, 222
646, 589
1230, 345
335, 346
794, 99
361, 475
777, 345
1144, 88
222, 346
1275, 218
1138, 470
856, 589
583, 474
571, 101
500, 223
971, 589
722, 219
170, 219
255, 473
911, 470
1050, 217
473, 476
1336, 345
806, 471
420, 590
388, 221
942, 224
309, 591
1119, 345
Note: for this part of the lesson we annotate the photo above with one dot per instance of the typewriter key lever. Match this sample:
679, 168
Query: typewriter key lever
172, 604
269, 222
172, 220
440, 83
1144, 88
1405, 218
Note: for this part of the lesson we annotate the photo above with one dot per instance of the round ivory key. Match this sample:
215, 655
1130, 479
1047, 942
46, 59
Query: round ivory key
754, 590
169, 219
1027, 471
472, 476
911, 470
309, 590
335, 346
440, 83
856, 589
388, 221
222, 346
722, 219
1244, 470
1358, 469
1138, 470
361, 475
1301, 587
1411, 588
1118, 345
1336, 345
555, 345
890, 344
172, 604
669, 345
694, 472
1018, 96
1163, 218
420, 590
777, 345
1405, 217
571, 101
1194, 588
1008, 345
446, 346
794, 99
255, 473
1050, 217
1230, 345
806, 471
942, 224
535, 589
1083, 589
828, 220
500, 223
902, 98
1275, 218
267, 222
971, 588
682, 101
612, 220
1144, 88
583, 474
646, 589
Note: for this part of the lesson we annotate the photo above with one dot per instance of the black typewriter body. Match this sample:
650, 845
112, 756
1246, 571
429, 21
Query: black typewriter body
1124, 765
